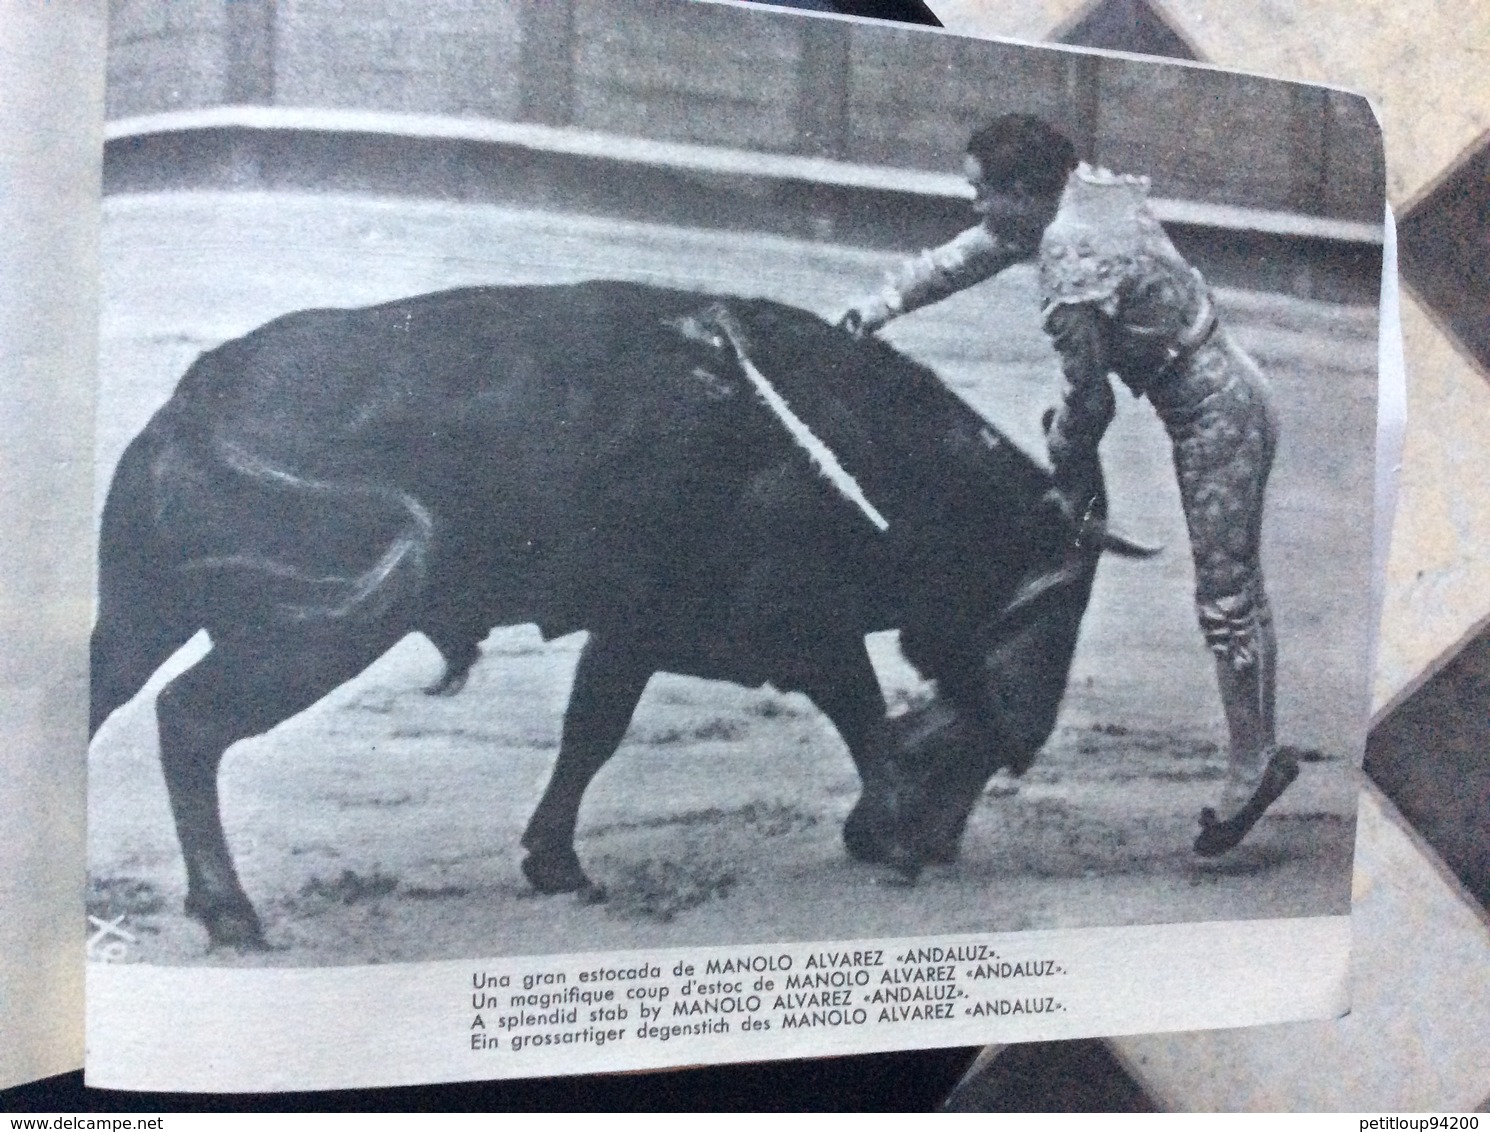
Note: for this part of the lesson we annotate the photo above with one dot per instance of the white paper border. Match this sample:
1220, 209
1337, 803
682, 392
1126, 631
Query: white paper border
240, 1030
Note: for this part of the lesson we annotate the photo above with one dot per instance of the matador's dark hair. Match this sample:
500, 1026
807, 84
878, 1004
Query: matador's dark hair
1020, 149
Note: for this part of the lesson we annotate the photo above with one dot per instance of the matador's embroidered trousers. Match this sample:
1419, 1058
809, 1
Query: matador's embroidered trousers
1224, 430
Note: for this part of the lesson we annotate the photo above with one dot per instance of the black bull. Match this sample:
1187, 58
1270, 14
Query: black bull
582, 457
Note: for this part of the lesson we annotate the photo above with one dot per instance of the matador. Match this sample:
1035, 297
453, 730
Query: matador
1118, 299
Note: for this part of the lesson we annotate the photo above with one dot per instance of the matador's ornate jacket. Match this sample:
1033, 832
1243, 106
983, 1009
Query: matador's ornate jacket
1119, 299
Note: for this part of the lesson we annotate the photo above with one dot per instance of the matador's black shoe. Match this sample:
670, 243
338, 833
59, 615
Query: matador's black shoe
1216, 837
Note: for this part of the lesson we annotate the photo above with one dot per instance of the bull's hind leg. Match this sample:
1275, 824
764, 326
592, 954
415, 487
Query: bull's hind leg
608, 682
242, 688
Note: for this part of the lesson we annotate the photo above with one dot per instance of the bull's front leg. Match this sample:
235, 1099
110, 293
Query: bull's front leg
841, 680
608, 682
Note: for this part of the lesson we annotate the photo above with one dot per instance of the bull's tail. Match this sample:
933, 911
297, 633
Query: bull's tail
297, 588
197, 536
142, 618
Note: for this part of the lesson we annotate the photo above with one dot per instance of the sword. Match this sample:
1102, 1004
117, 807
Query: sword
821, 455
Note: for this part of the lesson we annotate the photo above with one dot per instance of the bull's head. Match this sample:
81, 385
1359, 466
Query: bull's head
999, 688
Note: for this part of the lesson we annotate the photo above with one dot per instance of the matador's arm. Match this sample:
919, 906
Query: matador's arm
968, 258
1077, 331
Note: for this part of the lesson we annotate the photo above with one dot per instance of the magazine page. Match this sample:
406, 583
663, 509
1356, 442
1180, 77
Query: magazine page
638, 537
51, 122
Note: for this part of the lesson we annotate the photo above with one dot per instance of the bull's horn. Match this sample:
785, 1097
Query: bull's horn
1123, 546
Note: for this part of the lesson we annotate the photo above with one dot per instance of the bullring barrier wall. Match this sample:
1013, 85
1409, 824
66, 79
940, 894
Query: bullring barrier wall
839, 130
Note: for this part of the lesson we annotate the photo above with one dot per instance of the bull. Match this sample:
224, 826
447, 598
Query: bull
585, 457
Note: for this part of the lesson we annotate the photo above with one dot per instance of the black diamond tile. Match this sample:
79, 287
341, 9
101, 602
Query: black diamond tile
1431, 757
1075, 1076
1444, 251
904, 11
901, 11
810, 5
1127, 25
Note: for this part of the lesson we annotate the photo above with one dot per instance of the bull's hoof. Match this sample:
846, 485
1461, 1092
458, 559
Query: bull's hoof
552, 871
940, 845
1217, 837
459, 659
449, 684
458, 671
867, 841
905, 863
238, 928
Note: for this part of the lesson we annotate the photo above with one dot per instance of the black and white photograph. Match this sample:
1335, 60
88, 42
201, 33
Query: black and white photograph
589, 475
